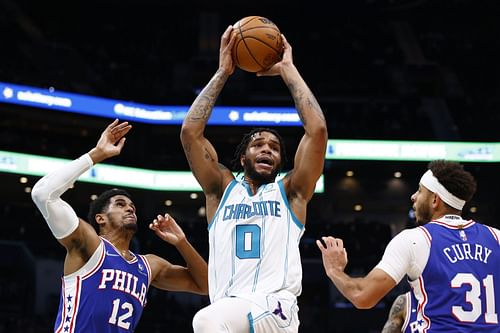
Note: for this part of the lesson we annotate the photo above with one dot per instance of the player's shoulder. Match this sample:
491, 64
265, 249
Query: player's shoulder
410, 233
488, 229
495, 232
156, 263
411, 236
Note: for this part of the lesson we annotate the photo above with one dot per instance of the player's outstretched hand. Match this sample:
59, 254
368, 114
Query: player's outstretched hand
333, 253
111, 141
167, 229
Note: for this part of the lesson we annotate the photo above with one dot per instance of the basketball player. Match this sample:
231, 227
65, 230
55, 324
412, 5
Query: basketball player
452, 264
105, 285
255, 224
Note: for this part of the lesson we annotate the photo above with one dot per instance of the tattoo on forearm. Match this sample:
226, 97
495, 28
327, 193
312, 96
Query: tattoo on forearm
396, 316
392, 327
304, 100
314, 105
203, 105
200, 110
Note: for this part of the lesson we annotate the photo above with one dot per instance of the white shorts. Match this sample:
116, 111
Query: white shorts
274, 313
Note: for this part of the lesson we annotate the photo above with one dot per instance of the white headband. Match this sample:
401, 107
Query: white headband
432, 184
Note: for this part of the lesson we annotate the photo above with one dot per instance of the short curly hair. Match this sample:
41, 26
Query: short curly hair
454, 178
243, 145
102, 202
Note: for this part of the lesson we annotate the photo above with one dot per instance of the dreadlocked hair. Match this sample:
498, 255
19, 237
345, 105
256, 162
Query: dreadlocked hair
454, 178
243, 145
102, 202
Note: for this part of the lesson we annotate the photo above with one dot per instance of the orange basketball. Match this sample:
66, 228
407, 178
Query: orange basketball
258, 45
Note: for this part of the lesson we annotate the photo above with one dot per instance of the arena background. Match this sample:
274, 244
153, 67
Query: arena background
381, 70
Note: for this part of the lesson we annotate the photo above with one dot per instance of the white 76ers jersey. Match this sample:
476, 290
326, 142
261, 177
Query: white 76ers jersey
254, 243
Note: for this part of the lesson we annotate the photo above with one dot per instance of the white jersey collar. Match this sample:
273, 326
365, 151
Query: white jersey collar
453, 221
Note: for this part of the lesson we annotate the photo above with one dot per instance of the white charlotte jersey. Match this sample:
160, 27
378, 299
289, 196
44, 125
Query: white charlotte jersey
254, 243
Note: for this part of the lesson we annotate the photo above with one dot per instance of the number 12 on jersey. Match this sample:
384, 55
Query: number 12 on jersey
127, 312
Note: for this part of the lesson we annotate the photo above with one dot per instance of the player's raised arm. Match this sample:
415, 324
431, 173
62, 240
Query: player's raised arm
200, 153
310, 155
78, 237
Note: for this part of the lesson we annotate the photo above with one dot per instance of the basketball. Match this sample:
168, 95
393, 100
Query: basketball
258, 45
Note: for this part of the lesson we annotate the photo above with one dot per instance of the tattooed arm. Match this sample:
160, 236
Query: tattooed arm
200, 153
310, 155
397, 315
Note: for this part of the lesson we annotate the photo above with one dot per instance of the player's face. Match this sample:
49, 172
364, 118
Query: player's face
263, 157
422, 205
121, 212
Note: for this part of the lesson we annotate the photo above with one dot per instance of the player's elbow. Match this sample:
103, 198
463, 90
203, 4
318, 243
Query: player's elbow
320, 132
362, 302
189, 133
323, 132
39, 194
363, 306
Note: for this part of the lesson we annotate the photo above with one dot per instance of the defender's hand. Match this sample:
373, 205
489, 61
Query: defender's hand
333, 253
167, 229
111, 141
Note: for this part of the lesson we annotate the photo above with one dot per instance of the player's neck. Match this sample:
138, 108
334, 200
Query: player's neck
120, 239
253, 184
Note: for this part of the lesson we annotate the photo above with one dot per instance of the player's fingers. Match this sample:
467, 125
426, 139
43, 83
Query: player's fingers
232, 39
285, 41
339, 242
154, 225
120, 127
113, 124
121, 143
327, 241
121, 133
226, 35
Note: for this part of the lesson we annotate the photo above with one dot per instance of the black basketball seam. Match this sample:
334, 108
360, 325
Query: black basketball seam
261, 26
250, 20
263, 42
235, 47
250, 53
253, 19
260, 40
241, 39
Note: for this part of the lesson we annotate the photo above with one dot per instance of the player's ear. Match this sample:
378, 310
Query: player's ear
436, 200
242, 160
100, 218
